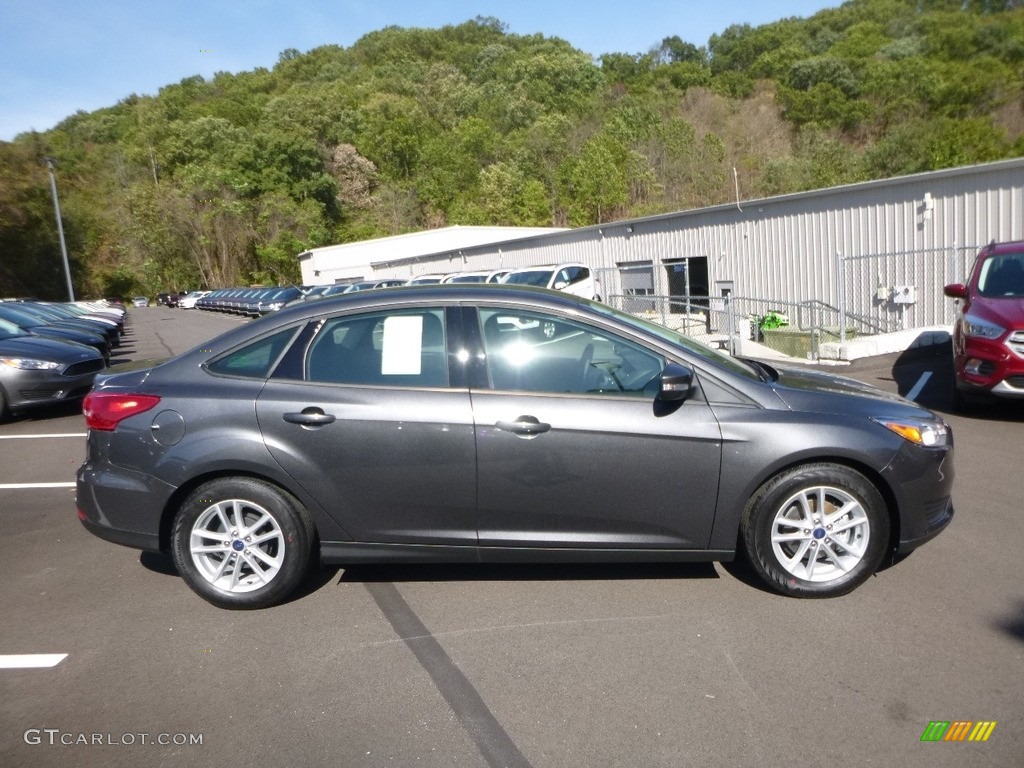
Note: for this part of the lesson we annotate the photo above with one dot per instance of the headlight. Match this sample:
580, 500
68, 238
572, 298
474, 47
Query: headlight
932, 434
975, 327
29, 364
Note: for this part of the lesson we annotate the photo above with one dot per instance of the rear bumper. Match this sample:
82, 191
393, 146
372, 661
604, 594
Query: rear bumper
122, 506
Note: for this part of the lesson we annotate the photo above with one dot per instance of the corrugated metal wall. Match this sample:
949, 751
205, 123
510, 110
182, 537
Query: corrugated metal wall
793, 248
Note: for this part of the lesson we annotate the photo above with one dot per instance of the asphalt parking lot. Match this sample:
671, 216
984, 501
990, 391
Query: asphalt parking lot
552, 666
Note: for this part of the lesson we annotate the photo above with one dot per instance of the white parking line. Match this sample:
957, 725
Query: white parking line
16, 486
913, 393
31, 660
36, 437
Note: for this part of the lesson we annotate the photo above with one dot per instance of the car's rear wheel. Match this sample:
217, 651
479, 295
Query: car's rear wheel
242, 543
818, 530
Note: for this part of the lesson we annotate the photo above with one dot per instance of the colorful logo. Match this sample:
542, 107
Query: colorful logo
958, 730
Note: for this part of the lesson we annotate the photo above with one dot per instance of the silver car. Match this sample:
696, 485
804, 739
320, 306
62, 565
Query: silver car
36, 371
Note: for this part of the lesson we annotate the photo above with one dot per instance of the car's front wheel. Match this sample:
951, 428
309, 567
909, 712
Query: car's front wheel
818, 530
242, 543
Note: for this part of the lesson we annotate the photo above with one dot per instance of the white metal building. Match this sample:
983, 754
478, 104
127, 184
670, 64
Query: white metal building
352, 262
877, 251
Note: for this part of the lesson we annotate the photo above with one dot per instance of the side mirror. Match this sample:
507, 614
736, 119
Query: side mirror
676, 382
560, 285
956, 291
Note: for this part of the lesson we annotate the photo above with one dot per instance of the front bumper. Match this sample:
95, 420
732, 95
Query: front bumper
29, 389
984, 365
922, 481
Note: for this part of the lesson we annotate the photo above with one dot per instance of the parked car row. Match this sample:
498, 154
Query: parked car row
577, 279
252, 302
51, 352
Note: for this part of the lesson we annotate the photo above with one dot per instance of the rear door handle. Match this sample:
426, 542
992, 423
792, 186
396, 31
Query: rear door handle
524, 426
309, 417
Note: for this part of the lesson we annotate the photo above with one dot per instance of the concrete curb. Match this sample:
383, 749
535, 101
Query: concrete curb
885, 343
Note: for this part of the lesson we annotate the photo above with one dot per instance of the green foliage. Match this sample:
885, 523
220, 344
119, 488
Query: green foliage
824, 70
224, 180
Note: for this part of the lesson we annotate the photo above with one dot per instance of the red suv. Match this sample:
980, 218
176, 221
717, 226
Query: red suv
988, 340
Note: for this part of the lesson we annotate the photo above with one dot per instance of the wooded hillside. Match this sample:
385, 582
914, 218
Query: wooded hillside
224, 181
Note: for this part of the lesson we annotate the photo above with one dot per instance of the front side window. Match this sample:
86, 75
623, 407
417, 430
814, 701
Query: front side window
533, 352
398, 348
576, 274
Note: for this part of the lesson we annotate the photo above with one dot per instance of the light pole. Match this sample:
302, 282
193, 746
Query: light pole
60, 227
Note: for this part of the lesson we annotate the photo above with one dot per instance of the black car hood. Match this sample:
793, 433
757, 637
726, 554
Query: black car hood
825, 392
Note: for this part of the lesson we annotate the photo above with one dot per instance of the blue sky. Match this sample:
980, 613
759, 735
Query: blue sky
60, 56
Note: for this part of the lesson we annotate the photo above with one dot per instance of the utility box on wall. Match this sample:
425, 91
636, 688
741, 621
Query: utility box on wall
904, 294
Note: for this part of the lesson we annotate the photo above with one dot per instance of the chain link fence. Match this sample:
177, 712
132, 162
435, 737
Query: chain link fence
876, 293
885, 292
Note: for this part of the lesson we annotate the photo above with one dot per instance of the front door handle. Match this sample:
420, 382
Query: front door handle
524, 426
309, 417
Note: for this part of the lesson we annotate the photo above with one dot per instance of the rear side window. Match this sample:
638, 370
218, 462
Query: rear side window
403, 348
254, 360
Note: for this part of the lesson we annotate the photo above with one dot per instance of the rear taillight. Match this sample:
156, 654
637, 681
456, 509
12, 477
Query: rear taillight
105, 410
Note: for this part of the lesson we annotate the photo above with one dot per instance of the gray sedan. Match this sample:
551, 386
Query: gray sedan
36, 372
500, 424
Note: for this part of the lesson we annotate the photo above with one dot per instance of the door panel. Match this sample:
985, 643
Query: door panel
392, 466
574, 451
374, 431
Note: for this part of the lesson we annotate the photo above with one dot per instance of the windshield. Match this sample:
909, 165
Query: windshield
1002, 276
10, 330
538, 277
21, 319
693, 347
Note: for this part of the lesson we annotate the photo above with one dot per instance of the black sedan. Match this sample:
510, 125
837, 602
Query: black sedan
35, 371
465, 423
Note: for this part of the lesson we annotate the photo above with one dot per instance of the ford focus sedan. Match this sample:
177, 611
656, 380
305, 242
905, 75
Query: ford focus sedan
484, 424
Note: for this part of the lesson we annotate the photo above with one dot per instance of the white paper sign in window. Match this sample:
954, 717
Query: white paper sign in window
403, 345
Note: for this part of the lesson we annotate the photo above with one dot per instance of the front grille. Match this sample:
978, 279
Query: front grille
1016, 343
81, 369
1015, 381
40, 394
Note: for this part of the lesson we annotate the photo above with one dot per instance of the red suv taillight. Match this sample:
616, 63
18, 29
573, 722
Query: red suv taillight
105, 410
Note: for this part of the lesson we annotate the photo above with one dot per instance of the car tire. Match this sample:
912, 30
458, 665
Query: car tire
799, 552
965, 403
242, 543
4, 412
